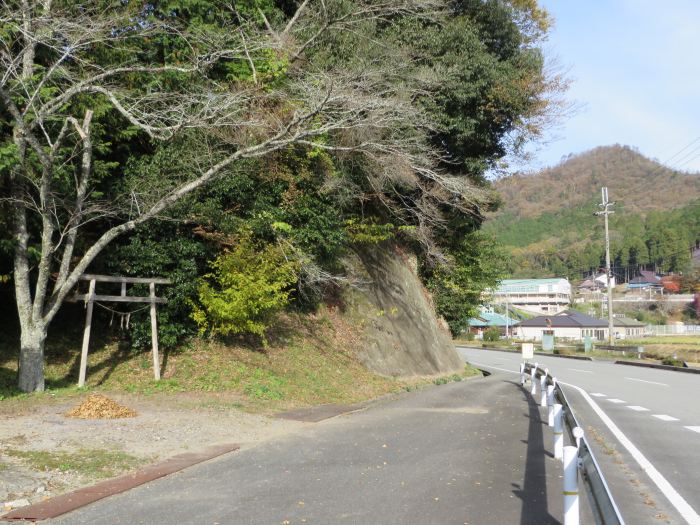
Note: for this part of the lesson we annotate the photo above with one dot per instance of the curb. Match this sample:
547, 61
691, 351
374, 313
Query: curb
660, 367
579, 357
321, 412
79, 498
565, 356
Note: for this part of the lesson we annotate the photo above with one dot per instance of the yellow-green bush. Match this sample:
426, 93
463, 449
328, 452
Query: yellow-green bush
247, 286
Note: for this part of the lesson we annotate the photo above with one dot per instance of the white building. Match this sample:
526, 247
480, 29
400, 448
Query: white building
602, 279
571, 325
539, 296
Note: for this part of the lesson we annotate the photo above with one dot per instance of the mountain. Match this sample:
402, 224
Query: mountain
641, 184
546, 218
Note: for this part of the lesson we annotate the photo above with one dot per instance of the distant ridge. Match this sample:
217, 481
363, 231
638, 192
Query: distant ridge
546, 218
641, 184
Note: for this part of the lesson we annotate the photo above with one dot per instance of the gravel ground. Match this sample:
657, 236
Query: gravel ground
164, 426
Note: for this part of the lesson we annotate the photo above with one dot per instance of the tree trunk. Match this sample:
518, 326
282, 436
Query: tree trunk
31, 359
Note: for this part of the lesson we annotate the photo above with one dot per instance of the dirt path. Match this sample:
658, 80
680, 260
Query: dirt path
35, 434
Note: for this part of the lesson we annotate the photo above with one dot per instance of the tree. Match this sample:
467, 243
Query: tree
76, 78
477, 264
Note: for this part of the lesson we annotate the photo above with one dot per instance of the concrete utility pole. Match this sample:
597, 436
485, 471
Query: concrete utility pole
507, 319
605, 205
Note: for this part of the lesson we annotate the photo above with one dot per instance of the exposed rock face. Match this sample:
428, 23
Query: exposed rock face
403, 336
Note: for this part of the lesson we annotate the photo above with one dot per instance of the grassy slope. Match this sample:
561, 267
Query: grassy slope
310, 361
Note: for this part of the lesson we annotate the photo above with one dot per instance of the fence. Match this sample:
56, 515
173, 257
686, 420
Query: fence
672, 329
576, 459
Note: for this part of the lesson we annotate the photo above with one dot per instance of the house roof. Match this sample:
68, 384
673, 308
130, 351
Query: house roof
487, 318
568, 318
643, 281
590, 283
649, 277
627, 321
529, 285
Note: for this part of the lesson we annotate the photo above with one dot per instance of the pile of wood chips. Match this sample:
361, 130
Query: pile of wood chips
97, 406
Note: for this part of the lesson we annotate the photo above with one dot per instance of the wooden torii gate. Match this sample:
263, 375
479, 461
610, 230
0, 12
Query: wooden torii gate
91, 297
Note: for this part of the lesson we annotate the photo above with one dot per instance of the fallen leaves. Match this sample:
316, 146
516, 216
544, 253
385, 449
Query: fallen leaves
97, 406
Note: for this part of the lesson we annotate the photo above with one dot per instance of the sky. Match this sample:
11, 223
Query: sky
635, 71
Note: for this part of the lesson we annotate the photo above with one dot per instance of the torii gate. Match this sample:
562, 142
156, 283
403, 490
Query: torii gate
91, 297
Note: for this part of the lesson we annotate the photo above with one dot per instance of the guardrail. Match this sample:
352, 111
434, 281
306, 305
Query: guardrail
578, 459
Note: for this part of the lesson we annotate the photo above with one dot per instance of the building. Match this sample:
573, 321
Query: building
646, 281
603, 280
538, 296
626, 328
569, 324
487, 318
589, 290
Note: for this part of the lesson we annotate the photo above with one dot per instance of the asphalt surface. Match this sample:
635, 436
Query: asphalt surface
472, 452
657, 410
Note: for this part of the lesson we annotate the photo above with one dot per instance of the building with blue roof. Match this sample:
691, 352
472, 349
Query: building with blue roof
487, 318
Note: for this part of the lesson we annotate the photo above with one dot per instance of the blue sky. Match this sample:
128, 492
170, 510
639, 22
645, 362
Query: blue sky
635, 67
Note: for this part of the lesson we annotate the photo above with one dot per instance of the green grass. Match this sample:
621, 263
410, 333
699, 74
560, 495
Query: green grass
665, 340
92, 463
312, 363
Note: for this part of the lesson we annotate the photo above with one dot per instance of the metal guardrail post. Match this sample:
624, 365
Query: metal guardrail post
570, 492
558, 432
543, 388
605, 511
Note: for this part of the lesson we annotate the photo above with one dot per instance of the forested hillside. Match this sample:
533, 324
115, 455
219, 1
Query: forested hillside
244, 149
547, 222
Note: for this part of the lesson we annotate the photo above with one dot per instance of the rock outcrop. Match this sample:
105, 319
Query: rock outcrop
403, 336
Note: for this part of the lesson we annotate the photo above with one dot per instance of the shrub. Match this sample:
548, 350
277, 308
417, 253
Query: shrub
247, 286
671, 361
492, 334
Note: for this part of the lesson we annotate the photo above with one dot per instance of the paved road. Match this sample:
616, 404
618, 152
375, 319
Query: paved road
657, 410
464, 453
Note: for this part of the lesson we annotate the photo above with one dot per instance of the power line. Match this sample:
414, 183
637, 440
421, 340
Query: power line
691, 159
689, 156
681, 150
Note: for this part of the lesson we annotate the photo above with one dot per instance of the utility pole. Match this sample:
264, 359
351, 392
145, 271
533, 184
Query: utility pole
507, 319
605, 205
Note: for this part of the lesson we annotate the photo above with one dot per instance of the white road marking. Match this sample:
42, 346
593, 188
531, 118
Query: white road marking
645, 381
694, 429
616, 401
638, 408
661, 482
598, 394
579, 370
664, 417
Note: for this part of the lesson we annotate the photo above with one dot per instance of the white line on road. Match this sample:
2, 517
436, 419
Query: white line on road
682, 506
661, 482
616, 401
694, 429
638, 408
645, 381
664, 417
579, 370
598, 394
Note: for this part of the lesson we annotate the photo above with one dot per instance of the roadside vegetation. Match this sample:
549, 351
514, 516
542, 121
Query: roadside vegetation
94, 463
308, 360
242, 152
679, 349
